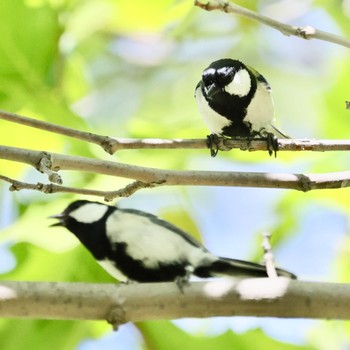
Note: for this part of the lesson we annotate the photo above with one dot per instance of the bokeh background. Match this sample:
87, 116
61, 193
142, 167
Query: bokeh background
128, 69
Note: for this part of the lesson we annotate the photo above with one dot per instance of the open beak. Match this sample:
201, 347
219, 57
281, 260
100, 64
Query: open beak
212, 90
60, 218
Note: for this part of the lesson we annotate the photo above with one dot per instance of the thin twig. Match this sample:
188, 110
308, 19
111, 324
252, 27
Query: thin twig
55, 128
307, 32
52, 188
301, 182
268, 256
45, 165
258, 297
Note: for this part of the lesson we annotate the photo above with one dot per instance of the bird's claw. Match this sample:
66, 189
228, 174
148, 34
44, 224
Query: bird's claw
272, 143
182, 281
213, 144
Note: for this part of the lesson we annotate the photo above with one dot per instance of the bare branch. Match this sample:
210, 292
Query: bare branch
153, 176
54, 128
52, 188
262, 297
44, 166
268, 256
225, 144
293, 145
111, 145
307, 32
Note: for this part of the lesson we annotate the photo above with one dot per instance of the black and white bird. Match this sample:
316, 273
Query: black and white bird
132, 245
235, 100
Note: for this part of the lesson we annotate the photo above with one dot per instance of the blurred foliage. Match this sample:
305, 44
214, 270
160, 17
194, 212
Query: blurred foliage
165, 336
128, 69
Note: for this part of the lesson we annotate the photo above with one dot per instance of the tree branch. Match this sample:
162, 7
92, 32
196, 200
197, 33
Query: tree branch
226, 144
262, 297
111, 145
52, 188
153, 176
54, 128
307, 32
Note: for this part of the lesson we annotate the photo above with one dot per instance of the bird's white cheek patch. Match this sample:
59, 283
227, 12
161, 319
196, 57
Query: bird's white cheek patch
89, 213
240, 85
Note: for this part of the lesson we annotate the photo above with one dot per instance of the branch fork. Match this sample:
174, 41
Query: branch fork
45, 166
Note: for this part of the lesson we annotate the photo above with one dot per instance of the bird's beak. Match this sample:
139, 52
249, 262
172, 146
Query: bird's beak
60, 218
212, 90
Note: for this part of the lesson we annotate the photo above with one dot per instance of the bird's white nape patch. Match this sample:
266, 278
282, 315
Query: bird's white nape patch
89, 213
240, 85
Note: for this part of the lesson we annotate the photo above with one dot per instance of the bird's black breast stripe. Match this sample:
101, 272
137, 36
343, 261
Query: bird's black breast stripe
93, 235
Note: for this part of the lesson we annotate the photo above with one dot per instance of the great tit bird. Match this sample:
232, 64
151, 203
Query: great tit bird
235, 101
132, 245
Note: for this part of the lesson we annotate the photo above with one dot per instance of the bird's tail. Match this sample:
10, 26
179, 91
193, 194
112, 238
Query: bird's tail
278, 133
233, 267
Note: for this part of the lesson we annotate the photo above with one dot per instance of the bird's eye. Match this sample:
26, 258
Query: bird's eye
226, 79
207, 80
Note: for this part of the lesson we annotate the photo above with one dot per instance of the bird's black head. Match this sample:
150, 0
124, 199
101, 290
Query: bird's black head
226, 76
81, 214
87, 221
227, 88
64, 217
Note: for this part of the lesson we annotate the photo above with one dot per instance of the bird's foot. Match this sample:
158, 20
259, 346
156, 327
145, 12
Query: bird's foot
213, 141
271, 140
182, 281
272, 143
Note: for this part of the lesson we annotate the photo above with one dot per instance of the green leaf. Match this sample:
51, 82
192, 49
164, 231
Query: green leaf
159, 335
27, 50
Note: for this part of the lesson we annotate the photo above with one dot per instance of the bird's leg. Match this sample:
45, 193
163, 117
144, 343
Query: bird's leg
213, 144
271, 141
181, 281
250, 138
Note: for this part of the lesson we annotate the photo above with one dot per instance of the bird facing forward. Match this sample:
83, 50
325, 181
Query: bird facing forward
137, 246
235, 100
